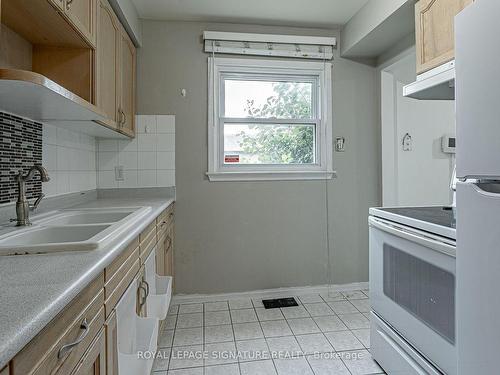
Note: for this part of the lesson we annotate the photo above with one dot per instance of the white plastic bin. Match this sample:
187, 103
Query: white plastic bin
160, 290
137, 337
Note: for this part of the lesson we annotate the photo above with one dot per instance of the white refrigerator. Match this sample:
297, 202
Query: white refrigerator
477, 53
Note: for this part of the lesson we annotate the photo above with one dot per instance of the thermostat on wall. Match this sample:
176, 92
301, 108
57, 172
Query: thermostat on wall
448, 144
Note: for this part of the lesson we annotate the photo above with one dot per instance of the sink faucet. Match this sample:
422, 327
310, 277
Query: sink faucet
23, 207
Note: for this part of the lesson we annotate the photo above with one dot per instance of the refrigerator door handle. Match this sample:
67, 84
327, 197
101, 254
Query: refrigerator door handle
486, 188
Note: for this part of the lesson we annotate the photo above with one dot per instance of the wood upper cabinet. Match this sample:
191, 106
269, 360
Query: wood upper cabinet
94, 360
127, 83
116, 64
108, 34
58, 4
434, 29
82, 13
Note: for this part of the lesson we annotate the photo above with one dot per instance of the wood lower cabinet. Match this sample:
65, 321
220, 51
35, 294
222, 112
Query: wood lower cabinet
111, 345
169, 252
83, 338
434, 29
94, 361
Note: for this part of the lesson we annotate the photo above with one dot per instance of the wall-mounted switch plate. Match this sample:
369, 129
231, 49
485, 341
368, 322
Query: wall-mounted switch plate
407, 142
340, 144
119, 173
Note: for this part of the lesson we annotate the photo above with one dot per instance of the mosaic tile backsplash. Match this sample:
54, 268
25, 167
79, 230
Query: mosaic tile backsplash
20, 149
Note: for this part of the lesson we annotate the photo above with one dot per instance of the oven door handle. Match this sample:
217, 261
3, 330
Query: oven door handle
415, 237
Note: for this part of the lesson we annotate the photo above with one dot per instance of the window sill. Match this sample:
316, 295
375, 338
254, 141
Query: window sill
270, 176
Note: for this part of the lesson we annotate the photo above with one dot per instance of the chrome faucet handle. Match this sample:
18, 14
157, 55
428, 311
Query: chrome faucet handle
34, 206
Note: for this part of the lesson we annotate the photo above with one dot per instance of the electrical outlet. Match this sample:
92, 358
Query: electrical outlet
119, 173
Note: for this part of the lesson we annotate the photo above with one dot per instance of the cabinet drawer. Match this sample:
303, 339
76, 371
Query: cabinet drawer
64, 365
41, 353
120, 274
165, 220
120, 259
147, 246
114, 295
162, 226
94, 361
146, 233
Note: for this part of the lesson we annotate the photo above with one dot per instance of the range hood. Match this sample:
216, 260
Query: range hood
436, 84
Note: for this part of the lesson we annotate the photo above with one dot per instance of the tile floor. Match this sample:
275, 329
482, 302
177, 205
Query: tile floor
325, 335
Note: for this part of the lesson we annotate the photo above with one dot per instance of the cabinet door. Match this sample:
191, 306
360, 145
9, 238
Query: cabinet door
127, 84
59, 4
160, 256
94, 361
111, 346
434, 28
107, 61
82, 14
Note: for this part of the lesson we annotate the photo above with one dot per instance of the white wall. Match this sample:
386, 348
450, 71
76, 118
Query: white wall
127, 13
420, 176
70, 158
148, 160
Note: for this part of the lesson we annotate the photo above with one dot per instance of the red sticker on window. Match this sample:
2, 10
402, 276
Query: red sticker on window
231, 158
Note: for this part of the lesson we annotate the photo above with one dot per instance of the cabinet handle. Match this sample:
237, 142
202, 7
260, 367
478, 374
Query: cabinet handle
143, 301
65, 349
147, 287
120, 120
124, 117
169, 243
68, 4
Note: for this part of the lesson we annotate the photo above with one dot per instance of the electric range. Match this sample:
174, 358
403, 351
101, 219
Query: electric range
437, 220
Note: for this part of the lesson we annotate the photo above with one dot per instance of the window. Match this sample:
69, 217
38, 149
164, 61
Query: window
269, 120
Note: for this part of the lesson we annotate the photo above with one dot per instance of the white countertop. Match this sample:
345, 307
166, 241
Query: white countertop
35, 288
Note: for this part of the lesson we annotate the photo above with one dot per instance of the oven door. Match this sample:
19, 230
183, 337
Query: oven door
412, 288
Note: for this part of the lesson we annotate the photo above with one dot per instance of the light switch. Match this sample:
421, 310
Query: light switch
119, 173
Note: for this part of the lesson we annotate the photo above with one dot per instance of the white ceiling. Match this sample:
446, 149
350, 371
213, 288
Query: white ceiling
306, 13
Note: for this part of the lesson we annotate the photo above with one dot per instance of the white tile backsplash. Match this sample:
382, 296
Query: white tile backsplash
70, 158
146, 142
166, 142
147, 161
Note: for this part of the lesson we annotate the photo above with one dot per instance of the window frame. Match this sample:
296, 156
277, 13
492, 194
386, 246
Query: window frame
220, 68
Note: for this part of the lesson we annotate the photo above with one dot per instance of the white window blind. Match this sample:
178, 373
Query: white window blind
305, 47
